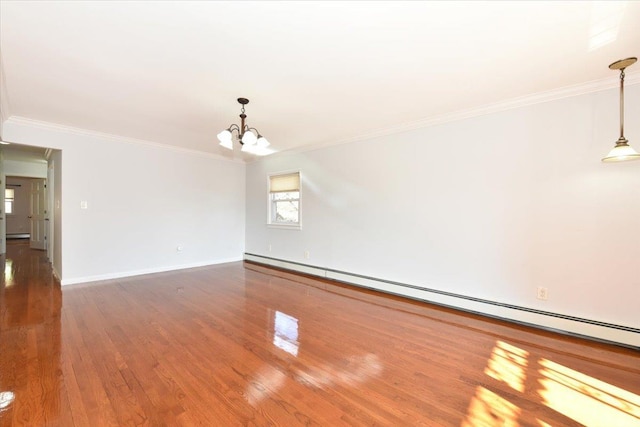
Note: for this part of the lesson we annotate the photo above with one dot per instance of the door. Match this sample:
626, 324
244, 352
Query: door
38, 213
3, 225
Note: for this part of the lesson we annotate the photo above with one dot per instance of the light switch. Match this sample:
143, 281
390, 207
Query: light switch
84, 204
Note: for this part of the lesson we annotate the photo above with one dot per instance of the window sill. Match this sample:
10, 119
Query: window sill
286, 226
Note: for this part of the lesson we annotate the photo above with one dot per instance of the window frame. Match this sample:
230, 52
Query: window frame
271, 223
10, 200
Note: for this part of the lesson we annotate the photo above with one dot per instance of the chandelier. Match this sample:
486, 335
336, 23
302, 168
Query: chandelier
250, 139
622, 151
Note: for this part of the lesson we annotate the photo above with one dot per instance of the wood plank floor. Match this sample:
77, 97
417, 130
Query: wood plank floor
244, 345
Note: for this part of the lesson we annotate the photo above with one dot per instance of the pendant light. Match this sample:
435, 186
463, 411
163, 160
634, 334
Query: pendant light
622, 151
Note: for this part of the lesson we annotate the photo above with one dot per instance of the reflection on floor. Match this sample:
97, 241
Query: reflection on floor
30, 303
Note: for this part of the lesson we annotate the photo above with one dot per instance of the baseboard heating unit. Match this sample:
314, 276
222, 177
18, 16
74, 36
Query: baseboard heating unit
587, 328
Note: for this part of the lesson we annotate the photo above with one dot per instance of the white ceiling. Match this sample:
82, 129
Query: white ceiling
315, 72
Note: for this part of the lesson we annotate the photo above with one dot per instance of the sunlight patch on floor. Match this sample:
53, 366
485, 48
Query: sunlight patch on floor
508, 364
487, 409
585, 399
570, 393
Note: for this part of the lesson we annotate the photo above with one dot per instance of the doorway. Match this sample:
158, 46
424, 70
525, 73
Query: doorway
26, 210
27, 199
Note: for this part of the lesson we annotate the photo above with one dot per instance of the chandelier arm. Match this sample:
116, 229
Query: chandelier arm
254, 129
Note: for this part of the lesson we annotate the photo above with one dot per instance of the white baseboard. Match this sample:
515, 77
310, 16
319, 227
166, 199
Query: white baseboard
603, 331
56, 274
119, 275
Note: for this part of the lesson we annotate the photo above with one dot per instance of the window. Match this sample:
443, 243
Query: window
9, 195
284, 200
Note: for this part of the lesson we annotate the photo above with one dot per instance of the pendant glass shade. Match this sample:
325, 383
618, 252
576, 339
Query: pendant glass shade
262, 142
249, 138
227, 144
622, 152
261, 151
246, 148
225, 139
256, 149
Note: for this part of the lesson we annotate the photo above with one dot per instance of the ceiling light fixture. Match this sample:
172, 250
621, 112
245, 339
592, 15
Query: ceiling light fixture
622, 151
250, 139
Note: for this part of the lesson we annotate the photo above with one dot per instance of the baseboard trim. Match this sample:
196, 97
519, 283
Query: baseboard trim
56, 274
16, 236
119, 275
588, 328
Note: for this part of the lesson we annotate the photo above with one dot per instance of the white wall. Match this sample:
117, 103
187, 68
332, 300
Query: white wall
489, 207
143, 201
31, 169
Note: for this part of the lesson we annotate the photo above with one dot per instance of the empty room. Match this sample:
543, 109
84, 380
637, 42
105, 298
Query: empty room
324, 213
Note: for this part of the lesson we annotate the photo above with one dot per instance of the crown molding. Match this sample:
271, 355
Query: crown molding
48, 126
514, 103
510, 104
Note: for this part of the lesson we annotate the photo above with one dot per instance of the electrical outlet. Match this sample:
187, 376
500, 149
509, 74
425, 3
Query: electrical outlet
306, 254
542, 293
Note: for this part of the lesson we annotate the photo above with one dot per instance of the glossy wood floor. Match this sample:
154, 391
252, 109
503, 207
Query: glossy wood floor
244, 345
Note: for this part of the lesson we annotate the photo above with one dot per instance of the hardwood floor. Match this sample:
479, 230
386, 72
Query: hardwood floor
244, 345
